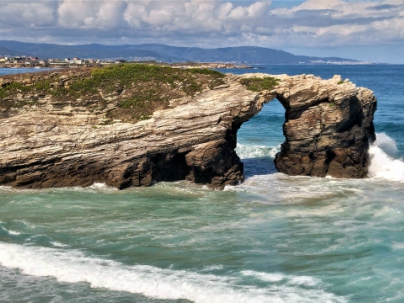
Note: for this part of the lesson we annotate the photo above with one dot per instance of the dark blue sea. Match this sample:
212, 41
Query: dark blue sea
273, 238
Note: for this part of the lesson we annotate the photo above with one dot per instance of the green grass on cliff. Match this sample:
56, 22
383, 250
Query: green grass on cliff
13, 88
256, 84
125, 75
153, 86
137, 90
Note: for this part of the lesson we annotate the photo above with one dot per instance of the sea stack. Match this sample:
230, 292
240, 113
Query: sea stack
63, 128
328, 127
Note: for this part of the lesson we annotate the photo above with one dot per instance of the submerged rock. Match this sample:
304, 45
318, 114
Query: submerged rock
54, 142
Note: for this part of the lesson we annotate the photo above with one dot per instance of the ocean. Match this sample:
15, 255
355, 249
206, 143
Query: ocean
273, 238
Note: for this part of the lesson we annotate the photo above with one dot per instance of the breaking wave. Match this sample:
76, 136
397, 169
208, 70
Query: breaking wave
74, 266
382, 164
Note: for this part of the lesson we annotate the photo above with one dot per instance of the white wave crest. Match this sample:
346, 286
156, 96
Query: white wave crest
99, 186
256, 151
58, 244
382, 166
278, 277
95, 187
387, 144
73, 266
11, 232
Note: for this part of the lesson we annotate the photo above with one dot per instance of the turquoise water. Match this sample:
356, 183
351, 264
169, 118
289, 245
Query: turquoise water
274, 238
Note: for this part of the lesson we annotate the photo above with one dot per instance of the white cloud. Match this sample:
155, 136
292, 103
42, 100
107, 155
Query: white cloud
337, 22
84, 14
27, 14
313, 23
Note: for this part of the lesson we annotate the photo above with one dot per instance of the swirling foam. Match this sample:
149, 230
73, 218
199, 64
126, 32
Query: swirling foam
74, 267
256, 151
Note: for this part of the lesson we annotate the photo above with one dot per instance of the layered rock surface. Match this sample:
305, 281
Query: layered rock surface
328, 127
56, 142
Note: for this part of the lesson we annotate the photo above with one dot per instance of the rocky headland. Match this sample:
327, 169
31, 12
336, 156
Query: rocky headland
133, 125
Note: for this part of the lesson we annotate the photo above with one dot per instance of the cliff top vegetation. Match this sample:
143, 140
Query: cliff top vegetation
256, 84
129, 92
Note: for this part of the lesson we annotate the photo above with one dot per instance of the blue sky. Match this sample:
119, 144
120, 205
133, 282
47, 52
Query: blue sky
366, 30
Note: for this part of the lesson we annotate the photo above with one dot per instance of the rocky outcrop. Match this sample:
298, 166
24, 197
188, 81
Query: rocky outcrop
53, 142
328, 127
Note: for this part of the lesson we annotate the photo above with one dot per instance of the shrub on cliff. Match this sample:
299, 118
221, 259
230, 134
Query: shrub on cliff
256, 84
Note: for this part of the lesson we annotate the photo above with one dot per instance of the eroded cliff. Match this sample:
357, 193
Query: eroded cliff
56, 132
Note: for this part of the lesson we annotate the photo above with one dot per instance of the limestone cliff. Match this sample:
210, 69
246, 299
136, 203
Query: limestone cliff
50, 139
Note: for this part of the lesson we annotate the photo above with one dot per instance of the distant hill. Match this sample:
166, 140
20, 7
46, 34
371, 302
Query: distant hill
96, 51
6, 52
160, 52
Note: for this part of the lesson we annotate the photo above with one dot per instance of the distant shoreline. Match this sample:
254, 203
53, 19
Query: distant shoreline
210, 65
182, 65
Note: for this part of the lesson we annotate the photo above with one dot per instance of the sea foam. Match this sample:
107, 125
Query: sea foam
73, 267
382, 165
256, 151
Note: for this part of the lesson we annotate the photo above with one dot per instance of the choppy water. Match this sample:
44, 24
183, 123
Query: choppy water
274, 238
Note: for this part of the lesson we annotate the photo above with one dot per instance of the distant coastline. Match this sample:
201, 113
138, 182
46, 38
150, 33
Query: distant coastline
67, 63
77, 54
183, 65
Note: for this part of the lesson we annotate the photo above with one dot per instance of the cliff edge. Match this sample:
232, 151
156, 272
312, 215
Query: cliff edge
151, 124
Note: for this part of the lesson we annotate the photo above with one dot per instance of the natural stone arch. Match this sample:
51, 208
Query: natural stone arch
328, 129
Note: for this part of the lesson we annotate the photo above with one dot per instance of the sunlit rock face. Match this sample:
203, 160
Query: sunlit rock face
57, 142
328, 127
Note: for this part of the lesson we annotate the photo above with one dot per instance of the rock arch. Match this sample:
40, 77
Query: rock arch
328, 129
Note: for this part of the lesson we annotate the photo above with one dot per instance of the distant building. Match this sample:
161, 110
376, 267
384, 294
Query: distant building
18, 59
77, 61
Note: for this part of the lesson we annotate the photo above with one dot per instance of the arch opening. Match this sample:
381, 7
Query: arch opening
260, 139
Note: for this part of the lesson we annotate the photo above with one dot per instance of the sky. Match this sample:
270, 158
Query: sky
364, 30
